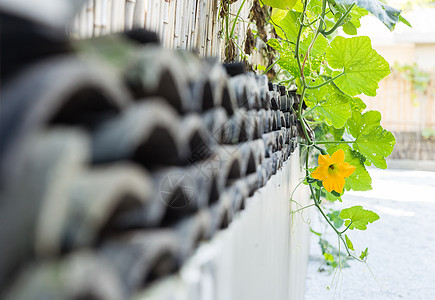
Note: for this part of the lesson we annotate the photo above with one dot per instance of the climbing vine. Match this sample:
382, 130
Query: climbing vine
330, 71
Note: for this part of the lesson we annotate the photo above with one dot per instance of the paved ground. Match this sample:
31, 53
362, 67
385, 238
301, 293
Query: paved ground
401, 244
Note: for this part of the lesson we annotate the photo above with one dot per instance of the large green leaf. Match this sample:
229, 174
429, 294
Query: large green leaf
363, 67
359, 217
281, 4
372, 141
387, 14
360, 179
330, 104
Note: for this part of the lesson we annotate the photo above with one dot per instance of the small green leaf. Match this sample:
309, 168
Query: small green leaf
275, 44
333, 196
386, 14
261, 68
329, 257
334, 218
404, 21
349, 28
358, 216
364, 254
281, 4
363, 67
356, 14
349, 243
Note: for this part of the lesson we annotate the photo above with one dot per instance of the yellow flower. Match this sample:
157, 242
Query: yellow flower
332, 170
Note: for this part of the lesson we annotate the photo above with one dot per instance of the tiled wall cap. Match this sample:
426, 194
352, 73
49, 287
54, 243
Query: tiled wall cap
146, 133
142, 256
118, 193
78, 274
37, 197
31, 101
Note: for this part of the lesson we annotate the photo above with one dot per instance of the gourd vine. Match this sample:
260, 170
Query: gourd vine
330, 71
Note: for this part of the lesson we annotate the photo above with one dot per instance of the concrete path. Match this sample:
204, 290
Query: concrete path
401, 244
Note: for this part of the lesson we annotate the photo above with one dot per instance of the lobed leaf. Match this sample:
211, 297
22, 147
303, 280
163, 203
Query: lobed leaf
359, 217
372, 141
363, 67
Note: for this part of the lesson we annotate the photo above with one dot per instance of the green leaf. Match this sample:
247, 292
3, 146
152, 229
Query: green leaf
319, 46
328, 257
386, 14
375, 146
288, 62
334, 218
363, 67
372, 141
332, 105
336, 110
359, 217
349, 243
364, 254
287, 21
356, 14
275, 44
404, 21
281, 4
334, 196
363, 123
349, 28
357, 104
360, 179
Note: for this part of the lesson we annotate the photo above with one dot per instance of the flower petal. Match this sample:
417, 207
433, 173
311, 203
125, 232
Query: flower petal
338, 156
320, 173
334, 182
324, 160
345, 169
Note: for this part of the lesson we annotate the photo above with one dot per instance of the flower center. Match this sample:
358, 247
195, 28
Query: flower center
332, 169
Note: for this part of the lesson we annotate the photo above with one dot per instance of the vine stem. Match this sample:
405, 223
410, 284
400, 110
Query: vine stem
325, 83
340, 21
334, 142
321, 22
270, 67
235, 20
298, 41
301, 119
311, 205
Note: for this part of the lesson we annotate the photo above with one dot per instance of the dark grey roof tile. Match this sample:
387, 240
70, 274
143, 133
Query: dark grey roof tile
75, 276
